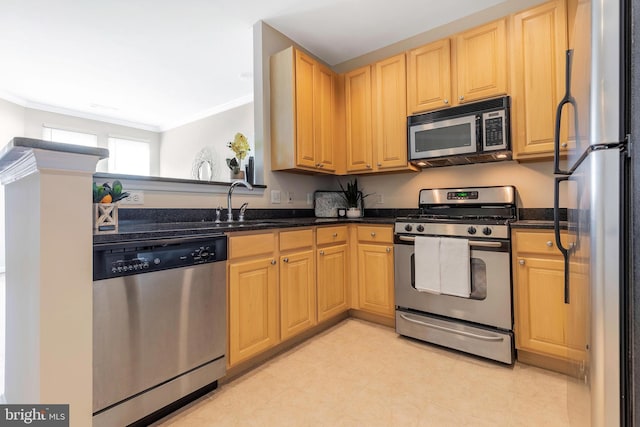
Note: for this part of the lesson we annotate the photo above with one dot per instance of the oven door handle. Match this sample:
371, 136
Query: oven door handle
454, 331
471, 242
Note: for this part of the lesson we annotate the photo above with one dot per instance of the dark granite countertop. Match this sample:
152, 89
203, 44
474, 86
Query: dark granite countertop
134, 230
537, 223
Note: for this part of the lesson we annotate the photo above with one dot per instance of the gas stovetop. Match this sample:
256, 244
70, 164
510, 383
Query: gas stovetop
477, 212
467, 219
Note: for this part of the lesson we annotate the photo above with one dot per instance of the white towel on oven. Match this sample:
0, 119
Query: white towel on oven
455, 267
427, 264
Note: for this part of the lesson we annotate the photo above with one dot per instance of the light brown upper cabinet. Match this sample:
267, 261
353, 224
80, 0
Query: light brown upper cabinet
376, 117
466, 67
357, 86
538, 52
481, 61
303, 113
429, 77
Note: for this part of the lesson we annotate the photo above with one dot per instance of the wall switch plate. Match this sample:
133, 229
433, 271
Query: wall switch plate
379, 199
309, 199
134, 198
275, 196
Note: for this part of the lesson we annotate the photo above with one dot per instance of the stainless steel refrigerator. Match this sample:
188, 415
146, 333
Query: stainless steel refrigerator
592, 182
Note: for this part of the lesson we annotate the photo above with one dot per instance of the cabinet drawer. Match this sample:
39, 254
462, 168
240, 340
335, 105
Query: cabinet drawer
538, 242
251, 244
328, 235
371, 233
296, 239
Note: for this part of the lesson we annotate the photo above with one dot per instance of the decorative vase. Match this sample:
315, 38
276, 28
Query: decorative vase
105, 218
236, 176
354, 213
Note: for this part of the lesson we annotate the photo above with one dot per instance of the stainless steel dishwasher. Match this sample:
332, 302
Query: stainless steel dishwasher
159, 325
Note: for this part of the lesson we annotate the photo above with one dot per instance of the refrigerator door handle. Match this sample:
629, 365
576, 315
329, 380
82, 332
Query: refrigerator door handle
567, 99
556, 229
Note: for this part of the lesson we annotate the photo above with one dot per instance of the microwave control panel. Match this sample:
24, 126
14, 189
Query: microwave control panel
494, 129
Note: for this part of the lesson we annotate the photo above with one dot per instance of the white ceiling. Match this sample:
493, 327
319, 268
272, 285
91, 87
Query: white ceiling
156, 64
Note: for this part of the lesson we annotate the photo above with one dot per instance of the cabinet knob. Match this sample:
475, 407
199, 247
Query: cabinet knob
521, 262
321, 252
549, 243
461, 98
285, 260
373, 234
318, 165
388, 249
335, 234
446, 101
273, 262
379, 164
563, 145
368, 166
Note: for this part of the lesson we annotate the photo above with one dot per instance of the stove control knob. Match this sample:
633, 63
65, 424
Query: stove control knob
408, 227
486, 231
420, 228
471, 230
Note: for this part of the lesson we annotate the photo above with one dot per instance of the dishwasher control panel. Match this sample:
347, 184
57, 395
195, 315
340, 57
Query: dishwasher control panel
138, 257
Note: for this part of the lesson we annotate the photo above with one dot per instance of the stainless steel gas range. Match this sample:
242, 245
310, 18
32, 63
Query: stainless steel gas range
453, 270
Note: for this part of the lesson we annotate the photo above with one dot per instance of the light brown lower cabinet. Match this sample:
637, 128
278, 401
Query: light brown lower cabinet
544, 324
375, 270
253, 308
297, 282
332, 281
332, 255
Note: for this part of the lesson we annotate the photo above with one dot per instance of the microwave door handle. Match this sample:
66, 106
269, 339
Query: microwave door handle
479, 133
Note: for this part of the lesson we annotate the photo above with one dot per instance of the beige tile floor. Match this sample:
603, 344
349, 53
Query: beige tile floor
361, 374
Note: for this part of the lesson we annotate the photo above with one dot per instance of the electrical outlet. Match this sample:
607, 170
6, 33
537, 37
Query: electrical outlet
309, 199
275, 197
134, 198
379, 199
290, 196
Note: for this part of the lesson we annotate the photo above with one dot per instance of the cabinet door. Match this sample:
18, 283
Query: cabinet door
539, 45
297, 293
429, 77
253, 314
304, 108
324, 119
358, 119
541, 315
390, 112
375, 278
332, 281
482, 62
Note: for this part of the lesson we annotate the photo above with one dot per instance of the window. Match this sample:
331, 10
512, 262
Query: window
127, 156
69, 137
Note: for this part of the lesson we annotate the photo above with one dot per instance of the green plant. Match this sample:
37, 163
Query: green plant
106, 193
352, 195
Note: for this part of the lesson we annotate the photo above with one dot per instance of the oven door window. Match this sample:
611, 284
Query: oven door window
478, 278
444, 138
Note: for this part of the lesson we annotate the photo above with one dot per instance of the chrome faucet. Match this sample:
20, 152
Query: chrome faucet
243, 208
233, 185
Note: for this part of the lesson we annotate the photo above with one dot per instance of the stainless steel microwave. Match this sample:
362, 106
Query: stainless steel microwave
469, 133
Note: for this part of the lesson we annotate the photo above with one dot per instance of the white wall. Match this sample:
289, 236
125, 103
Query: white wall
533, 181
11, 125
34, 119
179, 146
